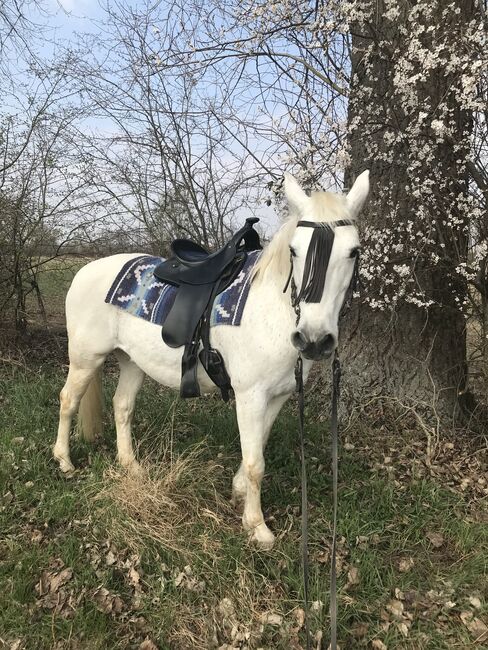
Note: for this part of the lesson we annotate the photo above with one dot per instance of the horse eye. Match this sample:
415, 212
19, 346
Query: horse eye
292, 251
354, 252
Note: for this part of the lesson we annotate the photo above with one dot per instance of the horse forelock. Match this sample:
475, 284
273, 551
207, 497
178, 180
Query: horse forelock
326, 206
321, 207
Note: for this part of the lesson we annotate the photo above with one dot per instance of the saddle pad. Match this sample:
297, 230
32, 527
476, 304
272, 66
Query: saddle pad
136, 290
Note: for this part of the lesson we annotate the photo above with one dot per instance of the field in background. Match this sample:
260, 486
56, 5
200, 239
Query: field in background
54, 282
103, 560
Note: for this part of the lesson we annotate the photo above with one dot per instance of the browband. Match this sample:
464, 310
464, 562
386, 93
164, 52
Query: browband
326, 224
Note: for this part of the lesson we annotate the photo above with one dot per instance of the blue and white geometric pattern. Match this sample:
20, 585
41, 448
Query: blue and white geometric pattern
136, 290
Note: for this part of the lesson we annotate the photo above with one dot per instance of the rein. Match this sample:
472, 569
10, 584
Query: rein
334, 431
313, 282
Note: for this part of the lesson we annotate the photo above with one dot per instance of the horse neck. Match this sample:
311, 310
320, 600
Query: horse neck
271, 303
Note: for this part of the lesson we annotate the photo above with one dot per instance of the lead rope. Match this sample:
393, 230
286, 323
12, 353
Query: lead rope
336, 378
301, 406
336, 381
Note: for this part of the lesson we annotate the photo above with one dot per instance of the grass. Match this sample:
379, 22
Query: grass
166, 559
104, 560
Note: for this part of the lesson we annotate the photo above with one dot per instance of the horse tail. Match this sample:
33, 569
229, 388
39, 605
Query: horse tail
90, 412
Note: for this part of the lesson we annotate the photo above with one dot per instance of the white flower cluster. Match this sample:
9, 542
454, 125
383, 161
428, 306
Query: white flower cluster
415, 90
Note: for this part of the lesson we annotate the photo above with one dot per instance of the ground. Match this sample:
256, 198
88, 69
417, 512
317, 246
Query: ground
104, 560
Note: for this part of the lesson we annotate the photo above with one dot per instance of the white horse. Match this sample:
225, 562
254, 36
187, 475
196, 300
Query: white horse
260, 354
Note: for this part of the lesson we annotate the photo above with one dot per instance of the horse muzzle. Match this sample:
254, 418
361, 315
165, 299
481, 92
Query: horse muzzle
314, 350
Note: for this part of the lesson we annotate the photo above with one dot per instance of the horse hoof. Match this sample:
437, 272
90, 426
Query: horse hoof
66, 466
132, 466
135, 469
262, 537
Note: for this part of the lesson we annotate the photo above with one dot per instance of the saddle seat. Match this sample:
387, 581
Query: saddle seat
200, 276
193, 264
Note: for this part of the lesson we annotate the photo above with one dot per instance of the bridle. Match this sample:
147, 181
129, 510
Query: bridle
311, 290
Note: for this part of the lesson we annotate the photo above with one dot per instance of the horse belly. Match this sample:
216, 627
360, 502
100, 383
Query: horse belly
142, 341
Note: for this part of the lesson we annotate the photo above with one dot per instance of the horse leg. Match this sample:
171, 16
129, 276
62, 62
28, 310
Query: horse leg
251, 418
76, 384
130, 382
239, 482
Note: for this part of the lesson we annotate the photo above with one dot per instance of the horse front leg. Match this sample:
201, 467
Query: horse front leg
251, 417
239, 482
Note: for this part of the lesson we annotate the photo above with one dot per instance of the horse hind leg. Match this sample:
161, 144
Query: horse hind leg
76, 384
130, 382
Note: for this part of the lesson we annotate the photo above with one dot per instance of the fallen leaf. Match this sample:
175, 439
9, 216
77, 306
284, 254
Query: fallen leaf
106, 602
318, 636
378, 645
352, 576
179, 579
403, 627
475, 601
359, 630
406, 564
134, 576
436, 539
110, 559
271, 619
226, 607
147, 644
476, 626
60, 579
299, 614
51, 581
395, 607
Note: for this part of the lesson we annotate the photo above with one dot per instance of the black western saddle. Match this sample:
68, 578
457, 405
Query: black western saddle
200, 276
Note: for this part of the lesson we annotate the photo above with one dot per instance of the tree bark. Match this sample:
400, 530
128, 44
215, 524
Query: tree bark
408, 126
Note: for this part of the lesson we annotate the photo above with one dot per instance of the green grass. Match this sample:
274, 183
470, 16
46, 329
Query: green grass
47, 519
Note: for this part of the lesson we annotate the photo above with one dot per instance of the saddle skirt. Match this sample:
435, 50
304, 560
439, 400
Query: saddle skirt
137, 291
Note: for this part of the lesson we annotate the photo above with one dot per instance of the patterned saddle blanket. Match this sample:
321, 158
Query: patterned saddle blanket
136, 290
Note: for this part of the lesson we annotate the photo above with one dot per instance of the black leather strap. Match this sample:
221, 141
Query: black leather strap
336, 378
304, 544
326, 224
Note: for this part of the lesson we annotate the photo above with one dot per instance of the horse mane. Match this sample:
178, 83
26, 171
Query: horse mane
275, 258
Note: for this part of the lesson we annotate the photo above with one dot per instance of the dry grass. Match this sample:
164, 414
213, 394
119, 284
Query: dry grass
167, 503
175, 506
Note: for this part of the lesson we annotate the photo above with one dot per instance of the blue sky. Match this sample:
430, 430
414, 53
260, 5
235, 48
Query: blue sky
66, 20
70, 17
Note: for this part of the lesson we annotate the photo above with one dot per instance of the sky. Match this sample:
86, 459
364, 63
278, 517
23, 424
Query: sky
69, 18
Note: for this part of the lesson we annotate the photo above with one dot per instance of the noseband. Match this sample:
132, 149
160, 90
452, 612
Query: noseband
312, 289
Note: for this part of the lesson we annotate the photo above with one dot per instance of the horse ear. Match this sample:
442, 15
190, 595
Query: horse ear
357, 194
295, 195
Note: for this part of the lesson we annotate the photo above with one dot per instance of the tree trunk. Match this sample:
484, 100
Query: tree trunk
407, 124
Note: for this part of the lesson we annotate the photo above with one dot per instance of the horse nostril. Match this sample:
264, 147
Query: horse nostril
299, 340
327, 343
